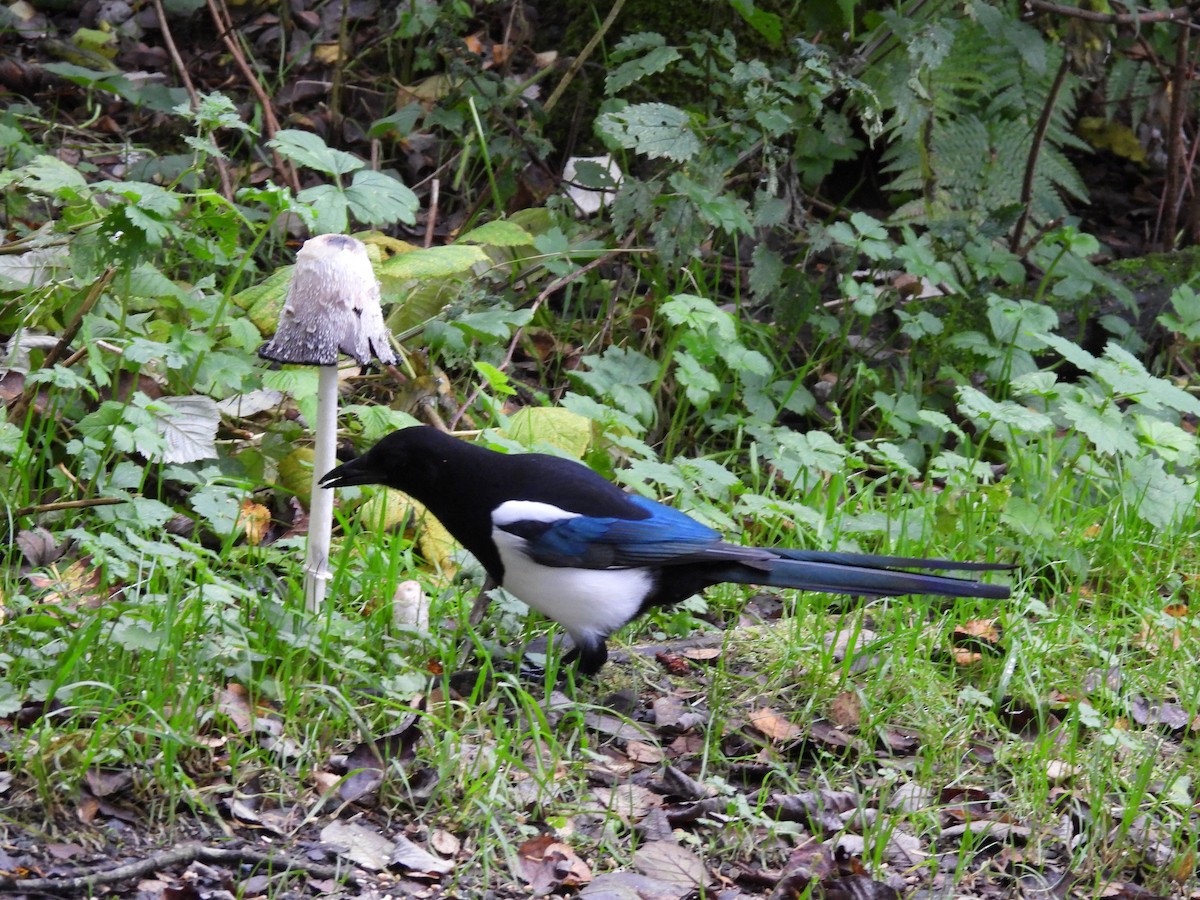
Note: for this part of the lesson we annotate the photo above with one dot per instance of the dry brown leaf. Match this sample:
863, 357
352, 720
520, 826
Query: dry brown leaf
629, 802
668, 861
845, 710
987, 630
772, 725
549, 865
966, 657
254, 519
643, 752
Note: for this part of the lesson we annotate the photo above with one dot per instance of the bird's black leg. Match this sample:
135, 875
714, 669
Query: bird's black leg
591, 657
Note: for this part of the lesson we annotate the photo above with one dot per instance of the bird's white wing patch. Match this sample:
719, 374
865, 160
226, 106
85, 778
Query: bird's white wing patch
528, 511
588, 603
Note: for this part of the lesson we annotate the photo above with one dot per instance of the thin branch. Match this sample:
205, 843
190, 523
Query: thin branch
193, 97
16, 412
224, 23
1141, 17
67, 504
553, 287
1035, 150
169, 859
578, 61
1173, 185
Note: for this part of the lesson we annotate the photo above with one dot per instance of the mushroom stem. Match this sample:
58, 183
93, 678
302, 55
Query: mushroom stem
320, 512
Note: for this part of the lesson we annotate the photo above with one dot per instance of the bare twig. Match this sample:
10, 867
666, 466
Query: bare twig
578, 61
67, 504
224, 23
167, 859
193, 97
16, 412
1173, 184
1035, 149
1141, 17
431, 222
553, 287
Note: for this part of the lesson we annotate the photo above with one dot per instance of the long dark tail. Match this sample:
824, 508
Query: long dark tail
859, 573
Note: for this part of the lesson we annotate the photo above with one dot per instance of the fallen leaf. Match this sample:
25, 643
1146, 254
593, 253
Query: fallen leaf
772, 725
845, 710
254, 519
363, 846
549, 865
632, 886
629, 802
417, 859
643, 752
670, 862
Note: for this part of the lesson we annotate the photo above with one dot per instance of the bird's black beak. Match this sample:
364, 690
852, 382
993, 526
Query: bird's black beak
357, 471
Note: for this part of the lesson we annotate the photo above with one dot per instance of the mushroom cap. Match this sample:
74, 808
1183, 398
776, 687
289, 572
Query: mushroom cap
332, 307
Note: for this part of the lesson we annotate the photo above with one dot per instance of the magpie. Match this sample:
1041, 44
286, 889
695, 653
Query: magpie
578, 549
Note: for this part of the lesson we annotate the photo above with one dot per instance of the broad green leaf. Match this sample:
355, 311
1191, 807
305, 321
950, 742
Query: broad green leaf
654, 129
46, 175
655, 61
434, 262
1071, 352
498, 233
561, 428
307, 149
378, 199
618, 375
32, 269
1160, 498
329, 206
262, 302
1103, 425
977, 405
189, 428
699, 383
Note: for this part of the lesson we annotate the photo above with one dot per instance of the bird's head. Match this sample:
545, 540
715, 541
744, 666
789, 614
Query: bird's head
408, 460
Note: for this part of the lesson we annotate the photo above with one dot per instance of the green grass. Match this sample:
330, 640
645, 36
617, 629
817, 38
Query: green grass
137, 667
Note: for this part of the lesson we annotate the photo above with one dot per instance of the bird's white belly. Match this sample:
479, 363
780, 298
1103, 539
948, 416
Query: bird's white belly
586, 602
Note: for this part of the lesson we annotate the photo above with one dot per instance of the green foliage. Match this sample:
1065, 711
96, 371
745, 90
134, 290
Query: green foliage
372, 198
963, 104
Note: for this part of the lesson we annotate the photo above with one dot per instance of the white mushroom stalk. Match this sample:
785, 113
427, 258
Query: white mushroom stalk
332, 307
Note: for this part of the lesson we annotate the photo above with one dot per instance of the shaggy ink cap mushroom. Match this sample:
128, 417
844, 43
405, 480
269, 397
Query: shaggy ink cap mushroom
332, 306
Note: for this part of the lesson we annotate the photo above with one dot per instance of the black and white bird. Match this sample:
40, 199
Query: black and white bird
583, 552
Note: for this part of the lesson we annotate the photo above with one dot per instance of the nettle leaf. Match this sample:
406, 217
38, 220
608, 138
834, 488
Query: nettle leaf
1170, 441
655, 129
307, 149
220, 505
379, 199
890, 456
1128, 377
47, 175
378, 420
497, 324
655, 61
794, 454
1186, 319
716, 208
